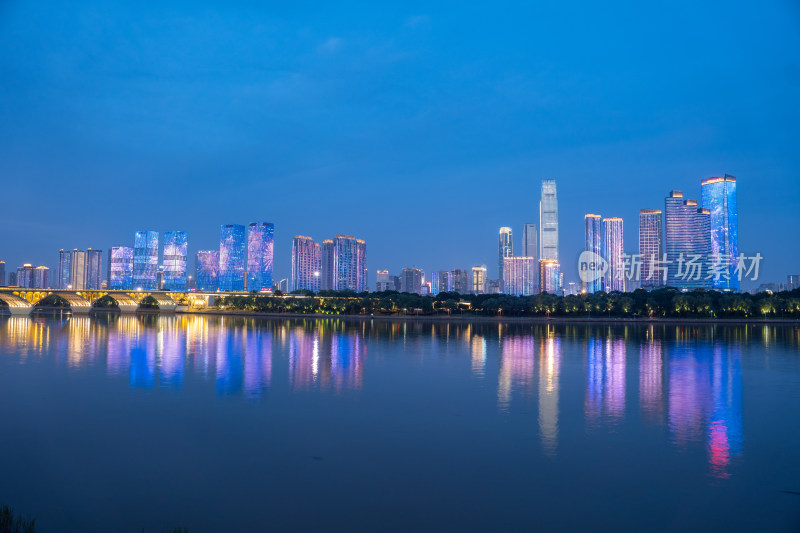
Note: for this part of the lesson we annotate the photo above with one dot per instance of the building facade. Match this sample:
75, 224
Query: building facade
145, 259
232, 257
206, 270
120, 268
78, 270
687, 242
2, 273
548, 221
519, 276
505, 249
479, 279
327, 251
94, 269
593, 231
651, 248
260, 245
176, 249
530, 241
349, 268
64, 269
613, 251
718, 195
305, 264
549, 276
411, 280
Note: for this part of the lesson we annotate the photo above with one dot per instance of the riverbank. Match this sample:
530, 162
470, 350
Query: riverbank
500, 319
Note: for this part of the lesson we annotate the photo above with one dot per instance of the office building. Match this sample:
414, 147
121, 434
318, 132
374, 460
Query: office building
25, 276
548, 221
145, 259
613, 250
232, 257
593, 231
2, 273
120, 268
462, 281
305, 264
505, 249
479, 279
718, 195
94, 269
651, 248
442, 281
64, 269
206, 270
687, 242
519, 276
176, 249
550, 278
78, 270
411, 280
260, 237
387, 282
530, 240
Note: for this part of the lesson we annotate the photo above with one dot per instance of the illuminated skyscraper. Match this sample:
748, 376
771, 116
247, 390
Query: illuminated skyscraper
120, 268
260, 237
719, 197
548, 221
462, 283
687, 237
530, 247
232, 257
2, 273
176, 248
549, 276
651, 248
519, 276
305, 264
411, 280
78, 269
94, 269
344, 263
479, 279
206, 270
594, 244
64, 268
145, 259
41, 277
25, 276
505, 249
613, 249
327, 251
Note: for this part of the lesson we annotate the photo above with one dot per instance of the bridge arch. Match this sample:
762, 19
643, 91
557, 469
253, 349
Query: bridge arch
16, 304
160, 300
118, 300
70, 300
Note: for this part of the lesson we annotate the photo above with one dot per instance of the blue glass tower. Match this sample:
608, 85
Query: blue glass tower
232, 257
688, 239
145, 259
120, 268
207, 270
175, 249
594, 244
719, 197
260, 237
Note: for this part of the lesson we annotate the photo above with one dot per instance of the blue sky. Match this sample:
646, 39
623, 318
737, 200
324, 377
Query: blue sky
419, 128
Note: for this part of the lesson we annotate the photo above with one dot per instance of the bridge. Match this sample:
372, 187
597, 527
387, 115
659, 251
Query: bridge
19, 301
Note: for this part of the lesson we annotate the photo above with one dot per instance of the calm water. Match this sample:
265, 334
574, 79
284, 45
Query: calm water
233, 424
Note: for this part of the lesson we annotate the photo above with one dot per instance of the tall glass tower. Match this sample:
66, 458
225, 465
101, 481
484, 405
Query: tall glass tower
260, 237
176, 246
94, 269
687, 237
145, 259
505, 249
64, 268
548, 221
530, 247
594, 243
206, 270
651, 248
305, 264
120, 268
232, 257
614, 278
77, 270
719, 197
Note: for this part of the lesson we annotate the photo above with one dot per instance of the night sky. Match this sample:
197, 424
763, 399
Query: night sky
420, 129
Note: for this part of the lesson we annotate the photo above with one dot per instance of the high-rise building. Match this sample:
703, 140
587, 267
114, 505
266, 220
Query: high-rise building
2, 273
530, 240
232, 257
260, 237
442, 281
462, 282
479, 279
719, 197
206, 270
792, 282
613, 250
94, 269
548, 221
411, 280
176, 249
549, 276
12, 279
25, 276
30, 277
382, 280
327, 251
64, 269
594, 243
651, 248
120, 268
305, 264
519, 276
505, 249
145, 259
41, 277
687, 241
78, 270
344, 261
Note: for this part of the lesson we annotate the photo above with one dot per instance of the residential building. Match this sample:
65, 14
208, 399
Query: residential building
94, 269
593, 231
305, 264
2, 273
613, 252
505, 249
651, 248
550, 278
519, 276
327, 252
479, 279
78, 270
349, 264
411, 280
64, 269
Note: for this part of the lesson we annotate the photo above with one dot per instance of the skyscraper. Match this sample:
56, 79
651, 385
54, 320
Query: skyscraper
519, 276
411, 280
2, 273
145, 259
94, 269
613, 249
382, 281
505, 249
719, 197
120, 268
687, 241
479, 279
530, 241
260, 237
41, 277
305, 264
206, 270
327, 251
594, 243
64, 268
548, 221
176, 248
549, 276
25, 276
232, 257
77, 272
349, 263
461, 280
651, 248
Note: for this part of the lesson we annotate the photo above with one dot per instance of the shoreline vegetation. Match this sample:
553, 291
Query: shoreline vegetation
661, 305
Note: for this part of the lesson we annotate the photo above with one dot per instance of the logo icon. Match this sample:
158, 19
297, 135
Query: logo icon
591, 266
